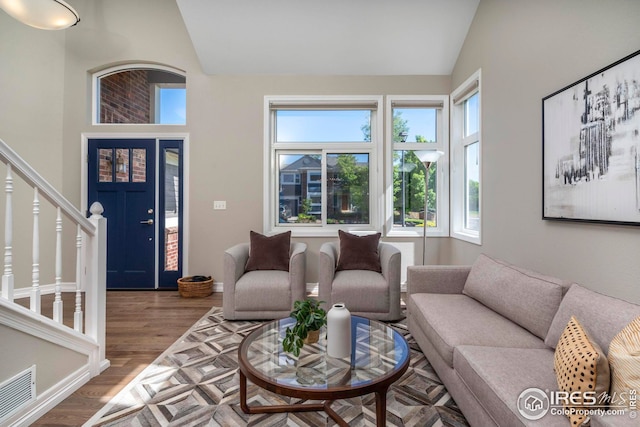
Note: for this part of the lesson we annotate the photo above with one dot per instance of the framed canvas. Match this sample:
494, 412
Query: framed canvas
591, 147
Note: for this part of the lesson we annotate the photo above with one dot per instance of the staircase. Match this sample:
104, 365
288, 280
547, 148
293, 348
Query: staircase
42, 360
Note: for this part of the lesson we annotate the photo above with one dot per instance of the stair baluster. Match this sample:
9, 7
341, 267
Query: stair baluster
77, 314
57, 303
35, 271
7, 276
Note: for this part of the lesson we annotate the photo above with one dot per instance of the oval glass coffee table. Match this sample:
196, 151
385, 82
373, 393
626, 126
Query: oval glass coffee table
380, 356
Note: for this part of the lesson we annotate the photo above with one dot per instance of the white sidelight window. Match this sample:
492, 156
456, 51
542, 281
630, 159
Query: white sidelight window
416, 124
321, 163
466, 155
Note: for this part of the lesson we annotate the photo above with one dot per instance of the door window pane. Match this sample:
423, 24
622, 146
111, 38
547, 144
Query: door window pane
122, 165
472, 180
171, 209
348, 188
300, 177
415, 124
323, 125
105, 162
139, 172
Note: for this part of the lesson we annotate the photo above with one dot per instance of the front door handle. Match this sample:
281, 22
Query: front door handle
148, 222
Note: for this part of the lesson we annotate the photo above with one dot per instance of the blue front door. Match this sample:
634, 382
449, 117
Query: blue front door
121, 175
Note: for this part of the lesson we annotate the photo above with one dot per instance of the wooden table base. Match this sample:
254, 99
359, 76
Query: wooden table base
381, 406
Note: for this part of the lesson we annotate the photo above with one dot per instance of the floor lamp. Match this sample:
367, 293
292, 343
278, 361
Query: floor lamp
426, 157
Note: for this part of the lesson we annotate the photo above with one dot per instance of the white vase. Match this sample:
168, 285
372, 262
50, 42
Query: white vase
339, 331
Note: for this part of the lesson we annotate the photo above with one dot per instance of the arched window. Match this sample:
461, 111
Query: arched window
139, 94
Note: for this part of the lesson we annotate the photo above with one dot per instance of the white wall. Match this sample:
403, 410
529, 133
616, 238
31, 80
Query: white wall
224, 117
31, 108
528, 50
53, 362
525, 49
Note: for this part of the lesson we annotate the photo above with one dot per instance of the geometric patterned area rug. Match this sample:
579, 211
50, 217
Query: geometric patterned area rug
195, 382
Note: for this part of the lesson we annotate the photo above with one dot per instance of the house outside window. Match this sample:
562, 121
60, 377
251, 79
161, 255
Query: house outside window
466, 144
321, 164
417, 123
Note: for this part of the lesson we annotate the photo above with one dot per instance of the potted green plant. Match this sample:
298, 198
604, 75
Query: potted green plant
310, 317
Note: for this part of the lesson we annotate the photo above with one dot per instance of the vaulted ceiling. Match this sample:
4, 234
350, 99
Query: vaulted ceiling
329, 37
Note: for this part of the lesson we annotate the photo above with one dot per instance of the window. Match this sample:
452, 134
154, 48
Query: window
466, 161
322, 156
139, 94
124, 157
170, 104
417, 123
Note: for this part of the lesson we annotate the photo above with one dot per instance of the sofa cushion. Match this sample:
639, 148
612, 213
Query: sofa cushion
450, 320
359, 252
263, 291
624, 360
525, 297
603, 316
580, 366
497, 376
269, 252
361, 291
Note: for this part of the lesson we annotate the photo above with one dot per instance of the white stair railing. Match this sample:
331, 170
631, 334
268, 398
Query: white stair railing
90, 262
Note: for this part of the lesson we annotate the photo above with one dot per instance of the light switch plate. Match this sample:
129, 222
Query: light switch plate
219, 205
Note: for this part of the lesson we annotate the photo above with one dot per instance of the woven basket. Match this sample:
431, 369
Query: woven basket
194, 289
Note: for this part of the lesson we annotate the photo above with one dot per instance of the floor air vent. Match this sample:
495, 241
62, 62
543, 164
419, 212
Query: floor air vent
16, 392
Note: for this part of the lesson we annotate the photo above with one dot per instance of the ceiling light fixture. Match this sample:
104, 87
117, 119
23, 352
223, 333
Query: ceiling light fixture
42, 14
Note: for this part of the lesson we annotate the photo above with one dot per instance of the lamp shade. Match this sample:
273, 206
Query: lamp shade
428, 156
42, 14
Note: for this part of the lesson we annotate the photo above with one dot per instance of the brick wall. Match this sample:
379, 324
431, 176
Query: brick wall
125, 97
139, 168
171, 249
104, 161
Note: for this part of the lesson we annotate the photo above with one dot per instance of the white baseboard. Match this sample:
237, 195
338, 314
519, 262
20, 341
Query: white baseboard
217, 286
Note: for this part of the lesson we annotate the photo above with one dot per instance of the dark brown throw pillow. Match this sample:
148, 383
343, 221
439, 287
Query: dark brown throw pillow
269, 252
359, 252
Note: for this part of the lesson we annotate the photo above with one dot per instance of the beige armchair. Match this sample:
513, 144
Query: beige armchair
365, 293
262, 294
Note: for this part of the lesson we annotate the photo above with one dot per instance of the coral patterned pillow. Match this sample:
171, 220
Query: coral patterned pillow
581, 366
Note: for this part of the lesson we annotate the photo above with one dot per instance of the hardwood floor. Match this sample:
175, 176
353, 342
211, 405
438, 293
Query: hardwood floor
140, 326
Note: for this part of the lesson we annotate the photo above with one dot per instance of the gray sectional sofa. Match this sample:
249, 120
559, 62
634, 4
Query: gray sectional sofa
490, 330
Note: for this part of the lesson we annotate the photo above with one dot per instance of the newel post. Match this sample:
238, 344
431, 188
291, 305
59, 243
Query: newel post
96, 283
